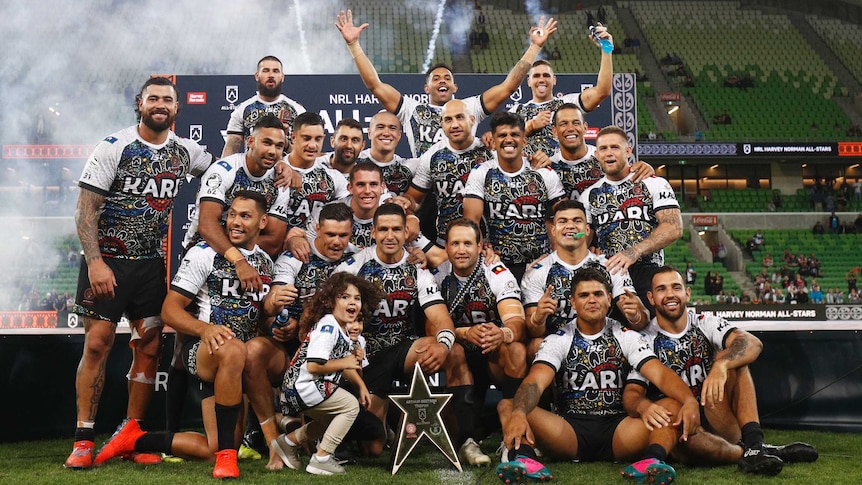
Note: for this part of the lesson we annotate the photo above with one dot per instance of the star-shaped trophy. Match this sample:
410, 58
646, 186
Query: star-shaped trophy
422, 418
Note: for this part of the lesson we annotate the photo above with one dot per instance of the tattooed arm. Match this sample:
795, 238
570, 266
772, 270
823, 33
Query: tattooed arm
741, 349
515, 425
669, 229
497, 95
90, 206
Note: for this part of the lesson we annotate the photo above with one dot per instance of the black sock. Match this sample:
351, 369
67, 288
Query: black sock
752, 435
656, 451
158, 441
85, 434
509, 386
226, 417
462, 406
523, 450
178, 383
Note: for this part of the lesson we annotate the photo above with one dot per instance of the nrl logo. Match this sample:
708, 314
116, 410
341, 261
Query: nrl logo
196, 132
231, 94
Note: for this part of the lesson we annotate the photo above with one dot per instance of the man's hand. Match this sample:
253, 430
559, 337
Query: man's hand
541, 120
491, 337
632, 307
286, 176
287, 332
249, 278
656, 416
344, 24
491, 256
540, 34
539, 160
298, 245
545, 307
215, 335
689, 417
432, 356
102, 278
517, 430
488, 140
282, 295
622, 260
416, 256
641, 171
365, 398
713, 385
602, 33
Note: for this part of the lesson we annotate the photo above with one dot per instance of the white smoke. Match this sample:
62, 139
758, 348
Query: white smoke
438, 19
534, 10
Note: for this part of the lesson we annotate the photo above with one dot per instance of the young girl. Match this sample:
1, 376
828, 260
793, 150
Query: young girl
327, 352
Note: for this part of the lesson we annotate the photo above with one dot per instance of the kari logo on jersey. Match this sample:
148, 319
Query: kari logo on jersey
196, 98
196, 132
632, 213
231, 94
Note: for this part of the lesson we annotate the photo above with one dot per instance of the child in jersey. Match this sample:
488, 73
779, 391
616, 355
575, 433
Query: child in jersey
327, 353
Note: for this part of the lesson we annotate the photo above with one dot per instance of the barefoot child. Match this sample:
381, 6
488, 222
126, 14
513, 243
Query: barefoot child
326, 354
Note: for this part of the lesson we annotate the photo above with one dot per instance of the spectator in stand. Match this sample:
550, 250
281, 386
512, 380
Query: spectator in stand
839, 296
851, 278
718, 283
555, 54
732, 299
799, 282
858, 223
750, 246
484, 38
816, 294
690, 274
853, 297
768, 262
779, 297
818, 228
857, 191
759, 240
776, 199
813, 265
721, 253
830, 296
707, 283
834, 223
746, 298
721, 298
802, 262
767, 294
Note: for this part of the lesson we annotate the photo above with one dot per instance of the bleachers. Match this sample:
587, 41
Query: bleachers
843, 38
678, 254
793, 86
579, 55
757, 200
838, 253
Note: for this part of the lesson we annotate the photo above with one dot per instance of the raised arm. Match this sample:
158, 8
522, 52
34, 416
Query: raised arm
496, 95
592, 97
389, 97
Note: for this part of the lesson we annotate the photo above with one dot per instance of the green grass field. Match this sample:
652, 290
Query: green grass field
40, 462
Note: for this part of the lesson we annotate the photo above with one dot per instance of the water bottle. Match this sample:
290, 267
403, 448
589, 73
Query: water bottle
279, 322
606, 45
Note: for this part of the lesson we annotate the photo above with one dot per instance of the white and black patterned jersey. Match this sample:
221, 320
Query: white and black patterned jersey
208, 278
552, 271
306, 277
405, 285
139, 181
577, 175
302, 389
689, 354
444, 171
590, 369
624, 213
477, 304
397, 173
516, 207
224, 179
543, 140
422, 121
320, 185
250, 111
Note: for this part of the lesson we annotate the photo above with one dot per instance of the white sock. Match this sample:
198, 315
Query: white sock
322, 459
287, 440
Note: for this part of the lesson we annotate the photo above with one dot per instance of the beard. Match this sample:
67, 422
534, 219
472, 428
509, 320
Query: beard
147, 119
671, 315
269, 92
